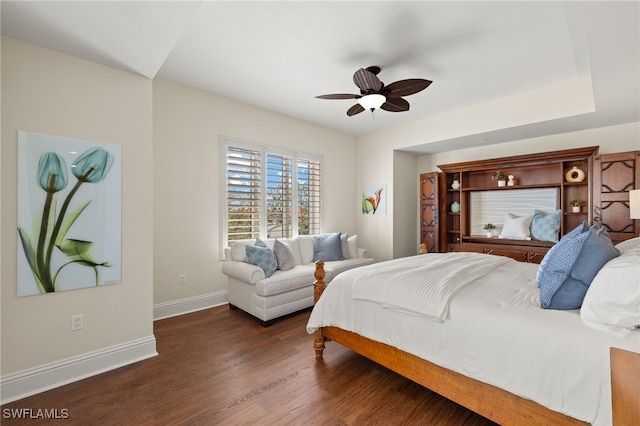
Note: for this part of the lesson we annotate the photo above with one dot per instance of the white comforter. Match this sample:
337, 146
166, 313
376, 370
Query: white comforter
425, 289
495, 332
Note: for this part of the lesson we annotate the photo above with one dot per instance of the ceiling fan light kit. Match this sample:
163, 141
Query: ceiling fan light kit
375, 95
372, 101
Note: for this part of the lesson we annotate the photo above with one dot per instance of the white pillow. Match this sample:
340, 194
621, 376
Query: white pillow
353, 246
295, 248
516, 227
305, 242
238, 250
612, 302
344, 243
632, 244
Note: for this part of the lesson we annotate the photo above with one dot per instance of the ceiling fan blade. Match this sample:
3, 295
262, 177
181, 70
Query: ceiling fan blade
406, 87
395, 105
339, 96
356, 109
367, 81
374, 69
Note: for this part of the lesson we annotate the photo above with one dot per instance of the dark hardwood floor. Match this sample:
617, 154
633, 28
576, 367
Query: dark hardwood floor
221, 367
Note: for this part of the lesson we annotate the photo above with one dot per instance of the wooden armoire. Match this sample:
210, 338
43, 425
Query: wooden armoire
609, 177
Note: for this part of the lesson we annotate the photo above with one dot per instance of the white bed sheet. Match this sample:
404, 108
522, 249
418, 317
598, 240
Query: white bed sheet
496, 333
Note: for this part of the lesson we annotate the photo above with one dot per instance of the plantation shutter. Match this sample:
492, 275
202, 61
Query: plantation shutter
279, 196
267, 192
308, 197
243, 194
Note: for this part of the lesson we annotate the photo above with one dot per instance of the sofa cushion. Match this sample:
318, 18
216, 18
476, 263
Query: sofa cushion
327, 247
282, 281
284, 255
332, 269
261, 255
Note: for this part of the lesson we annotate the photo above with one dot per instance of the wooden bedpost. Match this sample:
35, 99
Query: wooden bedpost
318, 287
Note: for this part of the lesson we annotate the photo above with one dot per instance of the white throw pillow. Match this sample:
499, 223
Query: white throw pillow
238, 250
631, 244
305, 242
344, 243
612, 302
353, 246
516, 227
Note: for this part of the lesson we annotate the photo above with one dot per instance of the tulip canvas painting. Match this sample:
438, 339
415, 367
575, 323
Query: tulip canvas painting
374, 199
69, 213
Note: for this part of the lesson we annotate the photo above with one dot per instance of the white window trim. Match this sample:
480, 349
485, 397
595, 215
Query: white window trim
226, 141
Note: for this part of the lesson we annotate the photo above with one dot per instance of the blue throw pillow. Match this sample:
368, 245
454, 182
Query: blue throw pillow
261, 255
327, 247
546, 227
569, 267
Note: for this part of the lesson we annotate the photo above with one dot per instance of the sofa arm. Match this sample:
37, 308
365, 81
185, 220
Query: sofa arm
243, 271
362, 253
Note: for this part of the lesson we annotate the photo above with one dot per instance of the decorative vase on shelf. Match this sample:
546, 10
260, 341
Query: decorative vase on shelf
455, 207
576, 209
489, 234
502, 183
574, 175
455, 184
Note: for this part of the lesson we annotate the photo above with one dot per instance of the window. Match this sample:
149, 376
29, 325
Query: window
269, 192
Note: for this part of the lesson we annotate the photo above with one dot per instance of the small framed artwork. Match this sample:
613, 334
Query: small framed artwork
374, 199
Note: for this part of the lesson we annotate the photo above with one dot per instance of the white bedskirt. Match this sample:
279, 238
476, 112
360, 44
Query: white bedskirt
496, 333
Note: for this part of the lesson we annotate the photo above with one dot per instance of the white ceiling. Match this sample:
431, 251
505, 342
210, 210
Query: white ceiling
280, 55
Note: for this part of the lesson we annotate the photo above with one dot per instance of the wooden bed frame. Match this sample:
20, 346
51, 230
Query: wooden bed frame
489, 401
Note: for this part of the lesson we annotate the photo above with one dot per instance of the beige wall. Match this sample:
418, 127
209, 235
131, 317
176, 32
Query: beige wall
187, 126
47, 92
405, 202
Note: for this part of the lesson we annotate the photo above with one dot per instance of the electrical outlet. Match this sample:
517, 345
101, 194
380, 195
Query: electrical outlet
77, 322
182, 279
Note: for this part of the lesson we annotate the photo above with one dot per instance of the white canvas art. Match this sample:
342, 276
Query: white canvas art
69, 213
374, 199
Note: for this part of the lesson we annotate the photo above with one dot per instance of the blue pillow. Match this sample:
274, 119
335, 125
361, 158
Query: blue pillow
569, 267
261, 255
545, 227
327, 247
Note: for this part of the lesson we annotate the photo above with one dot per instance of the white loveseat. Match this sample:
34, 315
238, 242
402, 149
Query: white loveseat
285, 291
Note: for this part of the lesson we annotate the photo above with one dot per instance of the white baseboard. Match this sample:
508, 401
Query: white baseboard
45, 377
190, 304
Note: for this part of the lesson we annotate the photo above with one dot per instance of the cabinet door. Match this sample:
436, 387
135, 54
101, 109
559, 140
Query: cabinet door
614, 176
430, 211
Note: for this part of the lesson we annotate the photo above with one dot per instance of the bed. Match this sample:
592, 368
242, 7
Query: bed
490, 347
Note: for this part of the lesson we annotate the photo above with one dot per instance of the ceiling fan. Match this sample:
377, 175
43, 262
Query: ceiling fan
374, 94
